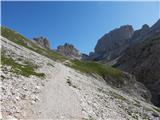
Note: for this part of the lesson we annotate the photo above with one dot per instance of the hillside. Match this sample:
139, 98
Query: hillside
42, 84
143, 61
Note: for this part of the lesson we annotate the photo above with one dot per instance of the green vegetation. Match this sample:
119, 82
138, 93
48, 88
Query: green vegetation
20, 40
117, 96
93, 67
50, 64
156, 109
137, 103
87, 67
26, 70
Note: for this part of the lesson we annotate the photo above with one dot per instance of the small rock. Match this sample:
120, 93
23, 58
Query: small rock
155, 114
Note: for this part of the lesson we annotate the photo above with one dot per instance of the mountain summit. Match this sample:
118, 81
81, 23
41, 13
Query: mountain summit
113, 43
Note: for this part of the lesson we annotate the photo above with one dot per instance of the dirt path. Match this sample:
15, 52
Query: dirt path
57, 100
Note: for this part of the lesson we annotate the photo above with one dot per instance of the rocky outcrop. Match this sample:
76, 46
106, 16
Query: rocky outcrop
43, 42
69, 50
139, 35
143, 61
113, 43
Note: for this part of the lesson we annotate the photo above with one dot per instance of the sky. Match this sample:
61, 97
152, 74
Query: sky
78, 23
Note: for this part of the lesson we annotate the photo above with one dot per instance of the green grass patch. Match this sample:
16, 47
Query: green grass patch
23, 41
137, 103
50, 64
93, 67
117, 96
156, 109
26, 70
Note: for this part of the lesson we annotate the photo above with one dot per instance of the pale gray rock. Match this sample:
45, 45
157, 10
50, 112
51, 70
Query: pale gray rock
43, 42
143, 61
69, 50
139, 35
113, 43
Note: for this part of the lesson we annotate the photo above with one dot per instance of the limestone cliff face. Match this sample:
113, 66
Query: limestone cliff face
137, 52
143, 61
113, 43
69, 50
43, 42
139, 35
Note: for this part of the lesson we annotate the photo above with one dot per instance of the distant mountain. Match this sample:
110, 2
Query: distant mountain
42, 42
69, 50
139, 35
136, 52
144, 33
143, 61
114, 43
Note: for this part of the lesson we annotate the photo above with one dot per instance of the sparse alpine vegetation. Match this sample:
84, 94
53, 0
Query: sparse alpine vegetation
26, 69
97, 68
87, 67
21, 40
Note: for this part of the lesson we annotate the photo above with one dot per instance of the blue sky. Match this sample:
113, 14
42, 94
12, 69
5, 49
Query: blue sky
78, 23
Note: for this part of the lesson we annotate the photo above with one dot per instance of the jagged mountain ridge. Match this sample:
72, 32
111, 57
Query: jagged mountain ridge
114, 43
69, 50
67, 84
140, 58
43, 42
143, 60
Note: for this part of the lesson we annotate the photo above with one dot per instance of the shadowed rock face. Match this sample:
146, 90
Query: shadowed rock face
138, 52
139, 35
143, 61
43, 42
69, 50
113, 43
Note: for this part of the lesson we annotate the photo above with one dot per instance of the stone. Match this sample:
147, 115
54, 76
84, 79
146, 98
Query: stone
43, 42
69, 50
113, 43
143, 61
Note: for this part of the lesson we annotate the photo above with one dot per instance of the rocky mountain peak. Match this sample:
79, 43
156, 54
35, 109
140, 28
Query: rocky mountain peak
69, 50
145, 28
113, 43
156, 27
42, 41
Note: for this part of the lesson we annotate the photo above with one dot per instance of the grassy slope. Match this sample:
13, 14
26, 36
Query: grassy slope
25, 70
93, 67
87, 67
20, 40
